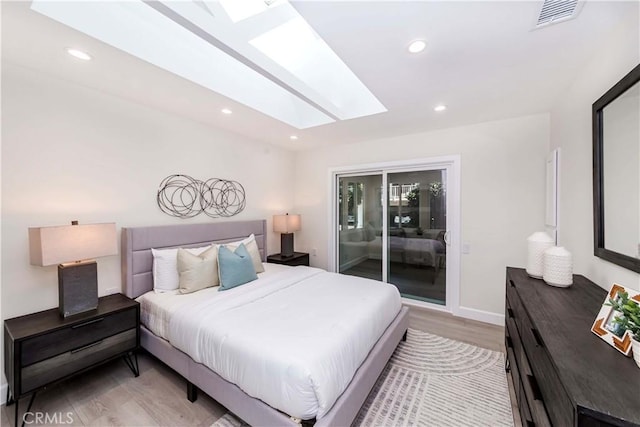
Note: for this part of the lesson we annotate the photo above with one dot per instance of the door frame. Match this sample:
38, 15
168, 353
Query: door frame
452, 165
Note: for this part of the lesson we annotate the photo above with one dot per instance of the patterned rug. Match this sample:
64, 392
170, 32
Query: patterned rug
434, 381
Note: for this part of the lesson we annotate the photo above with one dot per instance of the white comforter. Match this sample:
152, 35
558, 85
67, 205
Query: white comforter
293, 339
156, 309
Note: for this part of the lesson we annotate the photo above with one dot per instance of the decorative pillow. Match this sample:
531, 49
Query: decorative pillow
252, 248
197, 272
165, 268
235, 268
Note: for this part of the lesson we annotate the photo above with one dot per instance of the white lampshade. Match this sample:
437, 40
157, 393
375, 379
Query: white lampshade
67, 243
286, 223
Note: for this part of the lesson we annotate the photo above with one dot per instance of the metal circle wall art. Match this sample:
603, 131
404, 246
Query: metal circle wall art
185, 197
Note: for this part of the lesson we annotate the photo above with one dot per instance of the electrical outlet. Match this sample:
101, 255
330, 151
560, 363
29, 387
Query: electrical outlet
314, 252
466, 248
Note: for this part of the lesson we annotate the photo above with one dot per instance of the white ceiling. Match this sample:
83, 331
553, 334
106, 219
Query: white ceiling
483, 60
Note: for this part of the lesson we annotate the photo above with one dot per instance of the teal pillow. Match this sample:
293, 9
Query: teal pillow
235, 268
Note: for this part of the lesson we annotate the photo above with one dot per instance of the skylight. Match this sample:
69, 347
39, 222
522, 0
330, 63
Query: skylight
261, 54
243, 9
298, 49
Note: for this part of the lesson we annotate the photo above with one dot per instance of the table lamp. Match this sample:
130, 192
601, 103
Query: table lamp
286, 225
73, 248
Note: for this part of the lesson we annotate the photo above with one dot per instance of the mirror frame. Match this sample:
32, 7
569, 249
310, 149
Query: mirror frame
600, 251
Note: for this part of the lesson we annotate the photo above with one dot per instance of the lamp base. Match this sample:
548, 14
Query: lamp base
286, 244
77, 287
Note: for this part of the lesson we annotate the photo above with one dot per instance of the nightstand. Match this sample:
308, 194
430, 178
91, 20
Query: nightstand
43, 348
298, 258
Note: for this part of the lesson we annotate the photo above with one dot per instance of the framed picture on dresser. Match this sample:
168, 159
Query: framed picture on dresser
605, 326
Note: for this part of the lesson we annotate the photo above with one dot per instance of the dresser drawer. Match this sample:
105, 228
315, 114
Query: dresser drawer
559, 407
55, 368
517, 308
531, 393
525, 414
526, 386
513, 342
514, 371
516, 341
60, 341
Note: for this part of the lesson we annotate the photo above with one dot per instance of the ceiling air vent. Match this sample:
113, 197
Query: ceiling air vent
554, 11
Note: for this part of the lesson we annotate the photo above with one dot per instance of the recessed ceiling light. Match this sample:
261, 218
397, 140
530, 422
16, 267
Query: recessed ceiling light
440, 108
293, 137
417, 46
226, 111
78, 54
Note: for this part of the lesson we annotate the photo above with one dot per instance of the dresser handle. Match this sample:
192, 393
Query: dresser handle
87, 323
86, 346
534, 387
510, 313
513, 285
537, 337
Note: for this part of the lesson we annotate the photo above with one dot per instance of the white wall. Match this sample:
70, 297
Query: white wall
502, 194
69, 152
571, 131
74, 153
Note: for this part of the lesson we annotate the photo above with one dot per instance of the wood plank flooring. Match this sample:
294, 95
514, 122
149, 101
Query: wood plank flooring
110, 395
446, 325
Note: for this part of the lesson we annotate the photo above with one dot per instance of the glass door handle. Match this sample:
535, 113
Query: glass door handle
446, 237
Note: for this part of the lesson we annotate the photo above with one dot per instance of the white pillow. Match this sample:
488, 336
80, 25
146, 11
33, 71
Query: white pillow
165, 268
252, 247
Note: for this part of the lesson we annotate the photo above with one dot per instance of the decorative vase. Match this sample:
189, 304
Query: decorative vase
557, 267
537, 243
635, 349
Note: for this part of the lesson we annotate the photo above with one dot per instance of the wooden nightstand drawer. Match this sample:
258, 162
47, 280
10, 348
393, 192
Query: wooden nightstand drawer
298, 258
72, 361
77, 335
302, 260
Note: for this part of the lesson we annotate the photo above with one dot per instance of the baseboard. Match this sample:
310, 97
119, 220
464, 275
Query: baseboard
3, 393
480, 315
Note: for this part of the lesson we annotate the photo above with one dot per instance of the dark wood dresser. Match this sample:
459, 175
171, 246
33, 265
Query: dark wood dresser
563, 374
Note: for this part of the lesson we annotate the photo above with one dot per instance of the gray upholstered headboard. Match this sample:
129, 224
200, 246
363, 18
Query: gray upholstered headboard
137, 260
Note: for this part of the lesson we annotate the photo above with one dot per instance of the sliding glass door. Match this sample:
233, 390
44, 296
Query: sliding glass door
416, 230
394, 225
360, 225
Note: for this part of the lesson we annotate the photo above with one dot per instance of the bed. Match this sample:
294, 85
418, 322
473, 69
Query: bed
137, 263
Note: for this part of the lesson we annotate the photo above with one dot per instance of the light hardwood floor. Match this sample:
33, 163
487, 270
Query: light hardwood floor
110, 395
446, 325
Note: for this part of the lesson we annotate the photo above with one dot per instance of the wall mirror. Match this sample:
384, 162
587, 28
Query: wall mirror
616, 173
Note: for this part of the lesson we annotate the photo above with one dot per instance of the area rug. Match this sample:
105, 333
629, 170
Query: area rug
434, 381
